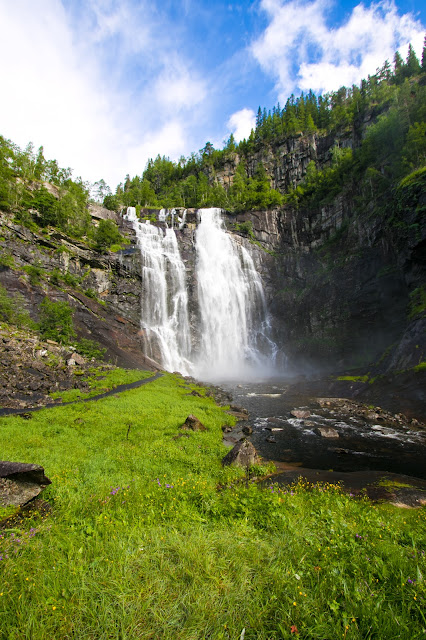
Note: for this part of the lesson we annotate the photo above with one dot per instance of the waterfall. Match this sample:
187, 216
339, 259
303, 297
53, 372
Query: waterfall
164, 313
233, 315
233, 322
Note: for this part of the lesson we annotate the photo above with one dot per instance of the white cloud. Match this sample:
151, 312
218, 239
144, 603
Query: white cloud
176, 88
169, 141
342, 55
241, 123
95, 88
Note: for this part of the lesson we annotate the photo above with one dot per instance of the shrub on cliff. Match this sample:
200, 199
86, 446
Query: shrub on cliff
106, 234
56, 321
12, 310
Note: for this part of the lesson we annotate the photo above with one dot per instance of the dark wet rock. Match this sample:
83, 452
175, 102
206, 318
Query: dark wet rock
242, 455
20, 482
240, 415
300, 413
238, 409
247, 430
271, 439
192, 423
226, 428
326, 432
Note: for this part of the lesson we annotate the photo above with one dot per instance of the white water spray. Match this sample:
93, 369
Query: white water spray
233, 315
164, 313
233, 319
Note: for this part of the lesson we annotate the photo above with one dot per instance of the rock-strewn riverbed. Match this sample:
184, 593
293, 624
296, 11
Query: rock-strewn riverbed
335, 440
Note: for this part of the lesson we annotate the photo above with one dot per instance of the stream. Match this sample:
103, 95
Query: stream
330, 439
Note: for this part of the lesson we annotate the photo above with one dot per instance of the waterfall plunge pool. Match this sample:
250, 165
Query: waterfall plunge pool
368, 444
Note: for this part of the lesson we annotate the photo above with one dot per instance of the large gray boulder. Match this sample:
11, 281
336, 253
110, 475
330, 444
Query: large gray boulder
20, 482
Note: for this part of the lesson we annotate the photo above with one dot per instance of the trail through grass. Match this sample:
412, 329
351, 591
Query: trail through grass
149, 537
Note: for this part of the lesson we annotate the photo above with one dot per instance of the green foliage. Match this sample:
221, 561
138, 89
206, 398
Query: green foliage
111, 202
35, 273
417, 305
7, 259
47, 206
150, 537
70, 279
12, 310
91, 293
415, 146
72, 212
106, 234
244, 227
55, 321
409, 195
90, 349
55, 276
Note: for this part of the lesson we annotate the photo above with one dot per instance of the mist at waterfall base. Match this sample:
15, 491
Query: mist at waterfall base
232, 336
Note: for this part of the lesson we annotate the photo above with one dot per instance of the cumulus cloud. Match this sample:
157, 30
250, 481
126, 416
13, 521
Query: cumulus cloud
241, 123
93, 87
301, 51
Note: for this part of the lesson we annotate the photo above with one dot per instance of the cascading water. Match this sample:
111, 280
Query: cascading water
164, 313
234, 323
232, 315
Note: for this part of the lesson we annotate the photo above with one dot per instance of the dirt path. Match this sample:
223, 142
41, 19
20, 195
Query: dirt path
122, 387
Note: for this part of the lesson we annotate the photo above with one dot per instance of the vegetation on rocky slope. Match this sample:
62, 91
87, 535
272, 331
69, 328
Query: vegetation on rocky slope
375, 132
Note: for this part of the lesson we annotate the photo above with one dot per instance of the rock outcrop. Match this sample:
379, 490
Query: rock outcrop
20, 482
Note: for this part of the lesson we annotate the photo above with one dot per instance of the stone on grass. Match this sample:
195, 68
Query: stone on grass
242, 455
193, 423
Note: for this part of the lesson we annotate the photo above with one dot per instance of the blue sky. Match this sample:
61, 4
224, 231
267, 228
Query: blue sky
106, 84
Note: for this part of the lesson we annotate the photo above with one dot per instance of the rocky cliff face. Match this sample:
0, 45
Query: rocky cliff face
103, 290
340, 285
337, 284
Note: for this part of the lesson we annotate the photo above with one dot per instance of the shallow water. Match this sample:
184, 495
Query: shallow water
362, 443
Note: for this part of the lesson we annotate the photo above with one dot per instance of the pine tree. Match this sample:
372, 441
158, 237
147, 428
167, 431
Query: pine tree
398, 66
424, 56
412, 66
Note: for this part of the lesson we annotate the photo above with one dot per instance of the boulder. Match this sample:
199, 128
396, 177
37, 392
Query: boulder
242, 455
300, 413
326, 432
20, 482
193, 423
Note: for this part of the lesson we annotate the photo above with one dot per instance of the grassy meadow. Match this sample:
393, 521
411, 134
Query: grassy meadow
149, 537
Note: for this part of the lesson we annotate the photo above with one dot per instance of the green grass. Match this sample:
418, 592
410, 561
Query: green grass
100, 381
149, 537
354, 378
